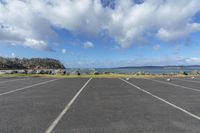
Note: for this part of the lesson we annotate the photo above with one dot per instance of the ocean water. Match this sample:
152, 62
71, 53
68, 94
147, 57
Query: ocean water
135, 70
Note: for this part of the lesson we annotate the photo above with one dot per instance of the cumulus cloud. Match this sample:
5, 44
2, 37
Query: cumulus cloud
20, 25
126, 21
174, 34
88, 44
36, 44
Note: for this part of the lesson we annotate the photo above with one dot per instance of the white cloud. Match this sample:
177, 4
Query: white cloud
192, 60
174, 34
21, 25
36, 44
127, 23
63, 51
88, 44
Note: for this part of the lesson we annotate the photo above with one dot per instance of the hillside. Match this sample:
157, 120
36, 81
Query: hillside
33, 63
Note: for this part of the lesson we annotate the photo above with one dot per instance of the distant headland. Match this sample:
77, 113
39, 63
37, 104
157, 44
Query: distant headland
33, 63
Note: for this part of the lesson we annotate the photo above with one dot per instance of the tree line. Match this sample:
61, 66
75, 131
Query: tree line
33, 63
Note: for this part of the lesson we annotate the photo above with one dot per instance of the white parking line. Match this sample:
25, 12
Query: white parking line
159, 98
186, 80
12, 80
189, 88
55, 122
41, 83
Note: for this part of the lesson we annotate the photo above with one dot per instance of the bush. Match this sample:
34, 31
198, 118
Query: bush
185, 73
43, 72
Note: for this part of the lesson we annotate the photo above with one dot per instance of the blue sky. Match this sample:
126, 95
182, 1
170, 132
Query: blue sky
105, 33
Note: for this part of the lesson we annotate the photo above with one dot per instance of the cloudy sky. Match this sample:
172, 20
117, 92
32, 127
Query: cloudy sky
102, 33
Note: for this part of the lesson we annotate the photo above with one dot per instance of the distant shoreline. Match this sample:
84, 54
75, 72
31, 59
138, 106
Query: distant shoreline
164, 66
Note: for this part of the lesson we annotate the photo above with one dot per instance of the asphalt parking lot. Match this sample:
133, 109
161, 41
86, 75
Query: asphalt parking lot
101, 105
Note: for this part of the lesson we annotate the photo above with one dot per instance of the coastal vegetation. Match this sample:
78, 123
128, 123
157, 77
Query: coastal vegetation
108, 75
33, 63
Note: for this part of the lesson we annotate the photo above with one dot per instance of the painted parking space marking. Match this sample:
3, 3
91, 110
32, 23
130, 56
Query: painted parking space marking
161, 99
56, 121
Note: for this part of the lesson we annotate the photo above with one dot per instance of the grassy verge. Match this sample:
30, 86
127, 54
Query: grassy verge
96, 76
